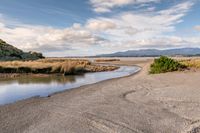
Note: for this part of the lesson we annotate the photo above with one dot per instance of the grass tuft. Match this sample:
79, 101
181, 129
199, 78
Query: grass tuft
191, 63
106, 60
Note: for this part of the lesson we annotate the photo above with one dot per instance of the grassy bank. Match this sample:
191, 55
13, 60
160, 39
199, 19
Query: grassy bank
53, 66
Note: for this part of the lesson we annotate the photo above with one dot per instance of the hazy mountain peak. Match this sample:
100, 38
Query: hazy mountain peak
155, 52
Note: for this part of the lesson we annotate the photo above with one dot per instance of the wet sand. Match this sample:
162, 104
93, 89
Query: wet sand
140, 103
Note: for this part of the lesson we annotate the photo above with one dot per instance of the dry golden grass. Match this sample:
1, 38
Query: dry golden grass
192, 63
48, 66
43, 63
106, 60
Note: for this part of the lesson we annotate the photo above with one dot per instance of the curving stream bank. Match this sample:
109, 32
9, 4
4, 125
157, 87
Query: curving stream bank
23, 87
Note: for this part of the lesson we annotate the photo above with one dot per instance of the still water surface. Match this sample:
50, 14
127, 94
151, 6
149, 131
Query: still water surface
19, 88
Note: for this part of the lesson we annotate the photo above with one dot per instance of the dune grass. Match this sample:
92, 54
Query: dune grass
52, 66
106, 60
165, 64
191, 63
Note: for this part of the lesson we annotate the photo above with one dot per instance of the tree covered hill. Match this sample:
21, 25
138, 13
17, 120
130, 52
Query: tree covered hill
9, 52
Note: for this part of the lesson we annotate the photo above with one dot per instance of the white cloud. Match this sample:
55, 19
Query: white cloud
102, 6
127, 30
131, 25
178, 9
197, 27
100, 25
161, 42
45, 38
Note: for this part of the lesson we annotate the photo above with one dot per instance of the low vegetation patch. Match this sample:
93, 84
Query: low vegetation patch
191, 63
53, 66
106, 60
165, 64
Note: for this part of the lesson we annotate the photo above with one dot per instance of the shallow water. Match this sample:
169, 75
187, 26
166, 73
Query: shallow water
19, 88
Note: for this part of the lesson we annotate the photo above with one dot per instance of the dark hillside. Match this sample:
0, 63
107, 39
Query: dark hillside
9, 52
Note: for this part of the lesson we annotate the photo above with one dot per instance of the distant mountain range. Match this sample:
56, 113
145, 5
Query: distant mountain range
9, 52
155, 53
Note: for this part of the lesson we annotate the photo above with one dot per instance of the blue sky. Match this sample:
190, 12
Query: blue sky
47, 12
90, 27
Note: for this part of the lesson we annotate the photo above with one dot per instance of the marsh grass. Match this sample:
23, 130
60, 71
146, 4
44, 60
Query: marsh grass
106, 60
52, 66
191, 63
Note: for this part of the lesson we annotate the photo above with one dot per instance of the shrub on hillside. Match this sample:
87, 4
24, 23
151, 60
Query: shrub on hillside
165, 64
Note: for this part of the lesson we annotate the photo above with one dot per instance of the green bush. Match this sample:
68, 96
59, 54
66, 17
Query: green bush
165, 64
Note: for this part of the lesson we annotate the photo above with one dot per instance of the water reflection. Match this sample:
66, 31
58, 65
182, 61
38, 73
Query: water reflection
30, 79
14, 89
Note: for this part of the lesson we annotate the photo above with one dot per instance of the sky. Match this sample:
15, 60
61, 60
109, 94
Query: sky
92, 27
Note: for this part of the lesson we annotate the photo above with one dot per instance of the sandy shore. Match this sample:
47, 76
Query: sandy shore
141, 103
